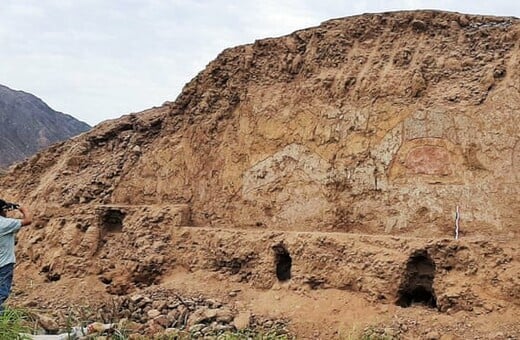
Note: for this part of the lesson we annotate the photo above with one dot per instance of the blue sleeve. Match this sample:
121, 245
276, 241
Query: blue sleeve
9, 225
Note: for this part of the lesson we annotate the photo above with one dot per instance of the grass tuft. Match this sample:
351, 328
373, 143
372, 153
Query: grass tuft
13, 323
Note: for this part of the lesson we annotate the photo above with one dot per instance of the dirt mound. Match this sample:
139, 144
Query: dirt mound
317, 170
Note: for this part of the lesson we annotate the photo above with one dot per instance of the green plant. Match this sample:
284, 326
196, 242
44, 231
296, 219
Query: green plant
13, 324
253, 335
351, 334
121, 332
373, 333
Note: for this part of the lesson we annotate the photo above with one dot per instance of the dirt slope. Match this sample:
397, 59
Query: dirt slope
308, 171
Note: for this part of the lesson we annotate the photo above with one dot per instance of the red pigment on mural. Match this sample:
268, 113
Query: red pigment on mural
428, 160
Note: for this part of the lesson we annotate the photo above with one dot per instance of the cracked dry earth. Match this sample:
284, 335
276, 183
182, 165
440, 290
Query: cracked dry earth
311, 178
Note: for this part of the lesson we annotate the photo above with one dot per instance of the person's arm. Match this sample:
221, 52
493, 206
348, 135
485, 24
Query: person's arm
27, 217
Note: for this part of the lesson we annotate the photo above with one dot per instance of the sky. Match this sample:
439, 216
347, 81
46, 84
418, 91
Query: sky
100, 59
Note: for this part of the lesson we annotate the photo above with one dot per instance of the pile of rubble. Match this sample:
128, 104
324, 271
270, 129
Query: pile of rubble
168, 313
157, 313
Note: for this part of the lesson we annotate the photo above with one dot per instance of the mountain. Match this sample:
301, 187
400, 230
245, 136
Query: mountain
28, 125
315, 176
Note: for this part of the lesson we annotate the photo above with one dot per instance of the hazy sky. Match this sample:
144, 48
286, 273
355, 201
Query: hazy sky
100, 59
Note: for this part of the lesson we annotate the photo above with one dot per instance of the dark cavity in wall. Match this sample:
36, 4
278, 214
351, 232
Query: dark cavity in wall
283, 262
50, 274
112, 219
417, 283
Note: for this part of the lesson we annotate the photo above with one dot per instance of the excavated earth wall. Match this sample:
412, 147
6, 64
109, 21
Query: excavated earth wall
333, 158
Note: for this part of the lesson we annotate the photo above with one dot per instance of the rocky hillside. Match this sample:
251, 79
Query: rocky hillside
28, 125
330, 159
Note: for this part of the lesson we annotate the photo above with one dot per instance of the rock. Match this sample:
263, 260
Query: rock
48, 323
488, 307
419, 25
213, 303
197, 328
171, 331
242, 320
223, 328
224, 315
153, 313
144, 301
30, 304
173, 315
463, 21
159, 305
135, 336
202, 315
173, 304
97, 327
128, 325
153, 327
418, 84
163, 320
209, 329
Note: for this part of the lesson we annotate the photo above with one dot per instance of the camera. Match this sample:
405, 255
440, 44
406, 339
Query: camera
7, 206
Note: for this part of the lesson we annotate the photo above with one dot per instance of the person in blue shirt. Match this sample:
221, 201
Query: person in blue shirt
8, 229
